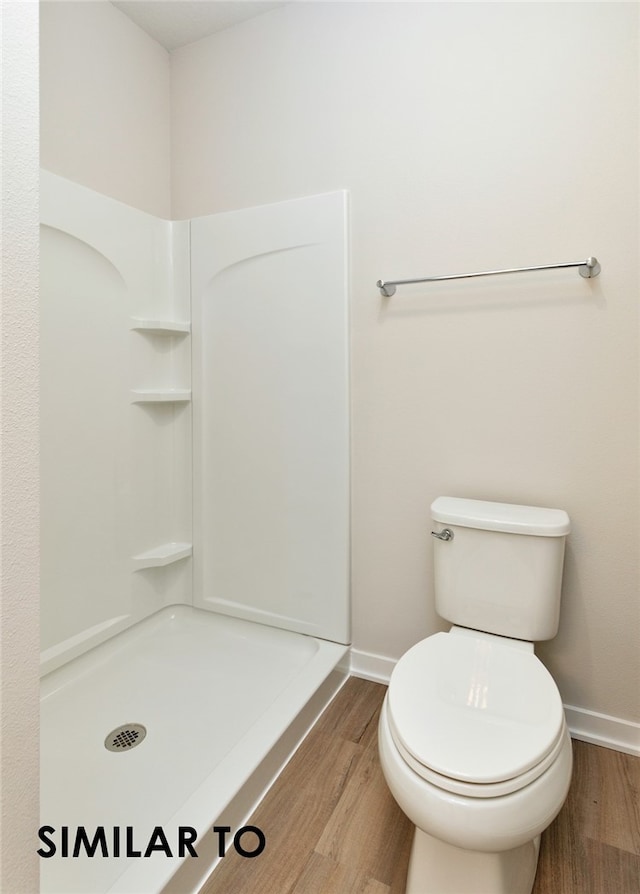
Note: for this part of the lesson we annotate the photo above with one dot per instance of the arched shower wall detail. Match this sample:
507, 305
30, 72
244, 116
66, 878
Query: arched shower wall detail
271, 414
116, 427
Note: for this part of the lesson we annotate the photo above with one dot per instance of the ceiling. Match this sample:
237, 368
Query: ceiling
175, 23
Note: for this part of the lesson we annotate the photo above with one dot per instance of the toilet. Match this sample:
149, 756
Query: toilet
472, 737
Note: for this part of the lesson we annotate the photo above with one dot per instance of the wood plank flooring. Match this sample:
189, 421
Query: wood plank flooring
332, 827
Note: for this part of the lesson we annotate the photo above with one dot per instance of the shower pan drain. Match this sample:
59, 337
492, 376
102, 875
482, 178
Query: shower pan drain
125, 737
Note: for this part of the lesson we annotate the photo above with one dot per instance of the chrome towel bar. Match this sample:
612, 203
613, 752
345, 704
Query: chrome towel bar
587, 269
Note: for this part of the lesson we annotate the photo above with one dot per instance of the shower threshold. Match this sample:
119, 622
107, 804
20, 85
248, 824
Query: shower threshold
222, 702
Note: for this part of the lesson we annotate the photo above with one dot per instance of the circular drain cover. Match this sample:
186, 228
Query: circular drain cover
125, 737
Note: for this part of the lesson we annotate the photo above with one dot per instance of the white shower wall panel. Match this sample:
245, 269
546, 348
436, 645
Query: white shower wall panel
270, 443
271, 435
115, 467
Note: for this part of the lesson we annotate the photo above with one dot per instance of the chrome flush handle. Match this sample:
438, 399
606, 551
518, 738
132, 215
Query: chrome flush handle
446, 534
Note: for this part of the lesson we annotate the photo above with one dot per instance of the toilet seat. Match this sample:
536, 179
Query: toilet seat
474, 789
475, 714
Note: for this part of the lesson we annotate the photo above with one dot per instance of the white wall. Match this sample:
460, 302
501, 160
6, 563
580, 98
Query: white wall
470, 136
104, 103
19, 450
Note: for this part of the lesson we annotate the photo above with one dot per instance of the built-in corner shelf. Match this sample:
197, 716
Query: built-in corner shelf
161, 327
160, 396
162, 555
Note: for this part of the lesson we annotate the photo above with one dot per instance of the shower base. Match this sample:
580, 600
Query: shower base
223, 703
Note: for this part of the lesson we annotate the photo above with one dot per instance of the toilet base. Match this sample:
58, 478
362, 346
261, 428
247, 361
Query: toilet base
439, 868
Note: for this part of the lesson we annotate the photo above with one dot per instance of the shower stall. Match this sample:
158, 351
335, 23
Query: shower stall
195, 523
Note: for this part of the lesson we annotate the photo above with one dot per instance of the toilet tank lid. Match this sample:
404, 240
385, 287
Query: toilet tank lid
507, 517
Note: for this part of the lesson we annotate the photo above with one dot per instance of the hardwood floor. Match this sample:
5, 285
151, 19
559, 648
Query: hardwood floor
332, 827
594, 844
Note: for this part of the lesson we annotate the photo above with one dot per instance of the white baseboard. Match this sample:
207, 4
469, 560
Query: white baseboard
602, 729
368, 666
585, 725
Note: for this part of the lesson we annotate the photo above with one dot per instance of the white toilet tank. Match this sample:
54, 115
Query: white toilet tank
501, 571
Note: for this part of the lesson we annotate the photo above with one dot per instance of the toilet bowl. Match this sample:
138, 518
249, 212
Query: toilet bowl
475, 749
472, 736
